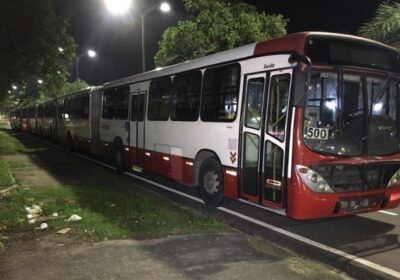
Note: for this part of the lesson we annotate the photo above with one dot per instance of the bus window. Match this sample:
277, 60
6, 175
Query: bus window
159, 99
186, 96
277, 106
115, 103
220, 94
255, 89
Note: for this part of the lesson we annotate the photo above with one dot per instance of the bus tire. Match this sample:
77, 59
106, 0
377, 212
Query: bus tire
211, 182
118, 156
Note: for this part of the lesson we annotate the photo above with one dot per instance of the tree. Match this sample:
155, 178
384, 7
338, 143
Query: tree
385, 25
216, 26
30, 36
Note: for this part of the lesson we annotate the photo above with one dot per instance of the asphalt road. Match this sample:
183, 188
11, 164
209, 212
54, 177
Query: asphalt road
373, 237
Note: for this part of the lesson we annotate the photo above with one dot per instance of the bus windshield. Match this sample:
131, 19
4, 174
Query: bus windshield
352, 114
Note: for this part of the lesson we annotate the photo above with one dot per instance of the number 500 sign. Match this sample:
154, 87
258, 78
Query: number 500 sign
317, 133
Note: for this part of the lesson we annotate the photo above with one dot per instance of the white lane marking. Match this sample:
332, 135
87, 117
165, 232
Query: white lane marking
295, 236
388, 213
315, 244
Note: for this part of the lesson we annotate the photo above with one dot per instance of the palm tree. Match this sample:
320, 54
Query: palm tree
385, 25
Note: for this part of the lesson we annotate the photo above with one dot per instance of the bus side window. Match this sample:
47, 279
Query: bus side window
115, 103
220, 93
159, 99
186, 96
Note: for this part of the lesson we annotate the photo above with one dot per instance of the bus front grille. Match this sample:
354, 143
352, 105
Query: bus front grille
357, 177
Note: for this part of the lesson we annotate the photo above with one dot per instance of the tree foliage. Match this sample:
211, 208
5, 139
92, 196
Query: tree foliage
385, 25
216, 26
33, 94
30, 35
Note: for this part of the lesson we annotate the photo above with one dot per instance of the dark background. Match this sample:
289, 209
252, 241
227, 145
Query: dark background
117, 39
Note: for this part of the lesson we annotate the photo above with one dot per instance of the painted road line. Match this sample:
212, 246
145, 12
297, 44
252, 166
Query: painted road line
388, 213
289, 234
321, 246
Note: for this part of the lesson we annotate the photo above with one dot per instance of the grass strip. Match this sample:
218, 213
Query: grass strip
6, 180
10, 145
106, 213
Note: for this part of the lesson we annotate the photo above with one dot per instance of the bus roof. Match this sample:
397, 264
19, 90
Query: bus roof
292, 43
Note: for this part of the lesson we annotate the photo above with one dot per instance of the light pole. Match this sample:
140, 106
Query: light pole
91, 53
165, 8
120, 7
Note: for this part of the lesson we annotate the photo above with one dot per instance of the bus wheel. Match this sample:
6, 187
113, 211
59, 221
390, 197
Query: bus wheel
211, 183
118, 157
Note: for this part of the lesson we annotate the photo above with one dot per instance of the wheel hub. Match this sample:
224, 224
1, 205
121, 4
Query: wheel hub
211, 182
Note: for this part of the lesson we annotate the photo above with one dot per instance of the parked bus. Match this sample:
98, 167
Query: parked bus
18, 119
78, 119
295, 125
31, 118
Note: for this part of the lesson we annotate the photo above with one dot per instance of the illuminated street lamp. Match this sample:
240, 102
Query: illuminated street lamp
120, 7
61, 50
40, 81
90, 53
14, 87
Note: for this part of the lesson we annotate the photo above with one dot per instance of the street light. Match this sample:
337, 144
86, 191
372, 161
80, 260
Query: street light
165, 8
123, 6
118, 7
40, 81
91, 53
61, 50
14, 87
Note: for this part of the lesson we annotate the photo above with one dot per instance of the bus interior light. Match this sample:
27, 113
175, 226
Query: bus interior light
313, 180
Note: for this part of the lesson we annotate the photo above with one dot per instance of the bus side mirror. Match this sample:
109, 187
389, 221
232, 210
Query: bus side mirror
300, 58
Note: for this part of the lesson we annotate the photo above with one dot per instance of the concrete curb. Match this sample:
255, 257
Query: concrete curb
9, 191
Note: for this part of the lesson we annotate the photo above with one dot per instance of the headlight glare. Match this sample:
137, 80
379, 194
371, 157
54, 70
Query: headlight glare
395, 180
313, 180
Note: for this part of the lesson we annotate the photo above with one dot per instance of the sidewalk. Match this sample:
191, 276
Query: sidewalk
216, 256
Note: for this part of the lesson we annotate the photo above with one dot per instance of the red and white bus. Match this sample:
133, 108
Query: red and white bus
307, 125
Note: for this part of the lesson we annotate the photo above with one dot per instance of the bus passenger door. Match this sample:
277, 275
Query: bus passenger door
264, 136
252, 137
137, 126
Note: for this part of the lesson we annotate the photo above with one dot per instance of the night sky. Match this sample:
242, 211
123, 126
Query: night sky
117, 39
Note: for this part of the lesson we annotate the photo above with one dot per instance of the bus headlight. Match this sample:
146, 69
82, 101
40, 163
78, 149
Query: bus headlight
313, 180
395, 180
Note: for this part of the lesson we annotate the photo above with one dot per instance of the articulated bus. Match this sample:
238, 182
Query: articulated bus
307, 125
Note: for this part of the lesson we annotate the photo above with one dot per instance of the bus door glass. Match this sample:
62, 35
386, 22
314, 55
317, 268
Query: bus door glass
252, 136
264, 138
137, 125
276, 136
